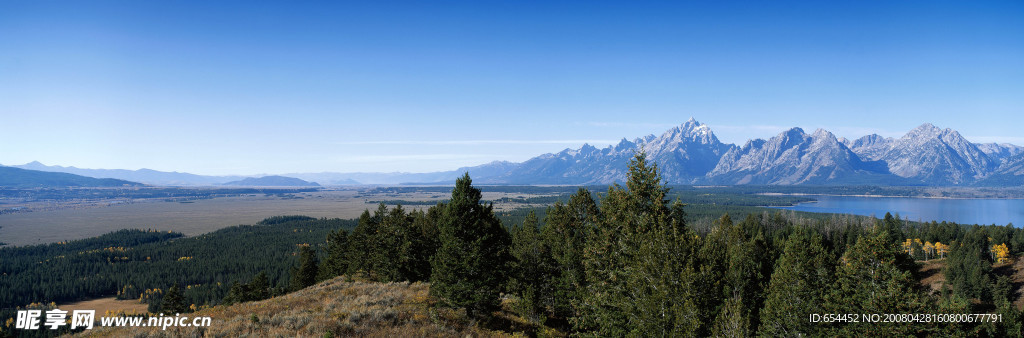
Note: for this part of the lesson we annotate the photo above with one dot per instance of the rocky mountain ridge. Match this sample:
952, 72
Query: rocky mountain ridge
691, 154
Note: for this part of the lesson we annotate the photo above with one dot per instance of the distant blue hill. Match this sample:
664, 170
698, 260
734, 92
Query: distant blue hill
147, 176
273, 181
11, 177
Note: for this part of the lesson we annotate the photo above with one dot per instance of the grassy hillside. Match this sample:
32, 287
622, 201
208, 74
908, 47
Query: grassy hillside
331, 308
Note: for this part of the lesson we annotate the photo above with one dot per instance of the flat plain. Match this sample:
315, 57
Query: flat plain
194, 217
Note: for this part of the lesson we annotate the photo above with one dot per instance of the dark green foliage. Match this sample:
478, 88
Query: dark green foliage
870, 279
392, 245
305, 274
733, 321
362, 242
422, 244
336, 262
893, 227
533, 270
173, 303
798, 286
565, 233
127, 262
89, 267
1003, 290
237, 293
276, 220
749, 265
1012, 324
969, 267
391, 242
1017, 242
471, 264
710, 266
636, 263
258, 289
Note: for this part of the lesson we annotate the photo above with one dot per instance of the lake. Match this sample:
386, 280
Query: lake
963, 211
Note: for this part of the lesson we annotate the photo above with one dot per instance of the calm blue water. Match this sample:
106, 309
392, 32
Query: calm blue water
963, 211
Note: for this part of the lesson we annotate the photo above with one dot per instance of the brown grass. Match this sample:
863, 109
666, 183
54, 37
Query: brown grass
337, 307
931, 273
1018, 280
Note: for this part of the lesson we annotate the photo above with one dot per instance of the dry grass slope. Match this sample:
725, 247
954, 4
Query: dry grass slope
335, 308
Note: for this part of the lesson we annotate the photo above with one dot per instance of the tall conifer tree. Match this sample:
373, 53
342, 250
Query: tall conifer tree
173, 301
470, 264
797, 288
637, 262
565, 232
336, 262
870, 279
307, 271
532, 270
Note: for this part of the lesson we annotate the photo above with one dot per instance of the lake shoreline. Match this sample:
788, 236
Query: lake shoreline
958, 210
890, 196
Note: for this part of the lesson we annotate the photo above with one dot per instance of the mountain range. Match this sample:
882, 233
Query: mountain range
23, 178
691, 154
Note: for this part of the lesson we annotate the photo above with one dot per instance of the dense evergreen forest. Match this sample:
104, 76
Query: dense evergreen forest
628, 260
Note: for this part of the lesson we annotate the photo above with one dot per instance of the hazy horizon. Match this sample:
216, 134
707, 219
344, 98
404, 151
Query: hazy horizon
230, 88
599, 144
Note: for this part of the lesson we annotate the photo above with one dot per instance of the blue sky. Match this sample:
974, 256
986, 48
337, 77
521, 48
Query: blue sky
221, 87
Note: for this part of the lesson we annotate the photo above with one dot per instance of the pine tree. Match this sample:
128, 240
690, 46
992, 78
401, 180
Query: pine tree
709, 284
531, 269
422, 245
747, 269
470, 264
259, 288
732, 321
565, 232
388, 260
797, 288
871, 279
969, 269
362, 243
173, 302
305, 274
893, 228
637, 263
336, 262
1012, 324
236, 294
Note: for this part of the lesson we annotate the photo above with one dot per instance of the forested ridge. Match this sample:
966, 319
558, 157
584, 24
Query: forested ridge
624, 261
627, 263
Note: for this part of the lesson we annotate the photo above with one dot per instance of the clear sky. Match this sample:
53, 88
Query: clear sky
247, 87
